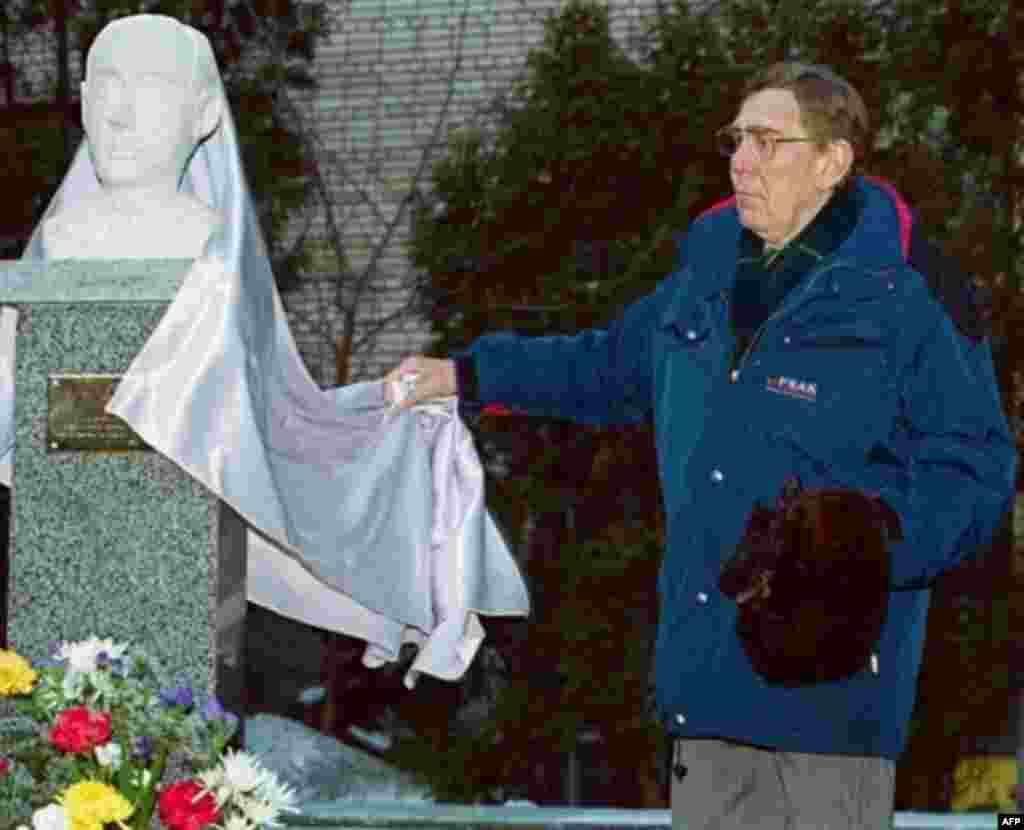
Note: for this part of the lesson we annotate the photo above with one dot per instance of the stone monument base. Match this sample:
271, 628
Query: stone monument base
111, 541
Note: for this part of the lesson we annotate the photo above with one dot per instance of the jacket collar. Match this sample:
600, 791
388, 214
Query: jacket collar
765, 277
822, 237
861, 223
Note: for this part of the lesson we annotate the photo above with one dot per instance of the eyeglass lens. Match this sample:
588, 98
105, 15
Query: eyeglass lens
730, 139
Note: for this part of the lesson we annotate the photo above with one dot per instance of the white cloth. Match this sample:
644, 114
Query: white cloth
410, 538
221, 389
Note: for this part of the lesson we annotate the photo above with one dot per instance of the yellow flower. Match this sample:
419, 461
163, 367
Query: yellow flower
91, 804
16, 674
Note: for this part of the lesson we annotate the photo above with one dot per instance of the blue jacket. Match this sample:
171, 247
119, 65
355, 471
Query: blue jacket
859, 379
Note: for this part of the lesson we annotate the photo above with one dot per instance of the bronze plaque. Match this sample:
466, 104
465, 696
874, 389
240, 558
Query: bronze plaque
77, 419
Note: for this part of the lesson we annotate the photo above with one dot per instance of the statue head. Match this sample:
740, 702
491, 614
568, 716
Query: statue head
151, 94
161, 143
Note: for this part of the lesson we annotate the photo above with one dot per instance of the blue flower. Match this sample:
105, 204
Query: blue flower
177, 696
115, 665
214, 711
143, 748
53, 648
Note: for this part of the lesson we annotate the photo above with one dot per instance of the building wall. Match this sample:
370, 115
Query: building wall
384, 111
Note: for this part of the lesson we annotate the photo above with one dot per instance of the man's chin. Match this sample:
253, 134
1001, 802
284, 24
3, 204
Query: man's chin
748, 218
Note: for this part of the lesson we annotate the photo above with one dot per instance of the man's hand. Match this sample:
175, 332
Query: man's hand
422, 379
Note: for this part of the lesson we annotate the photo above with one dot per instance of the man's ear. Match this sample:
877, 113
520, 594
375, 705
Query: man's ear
836, 162
207, 116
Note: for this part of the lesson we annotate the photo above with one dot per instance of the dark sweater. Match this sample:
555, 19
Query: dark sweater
764, 278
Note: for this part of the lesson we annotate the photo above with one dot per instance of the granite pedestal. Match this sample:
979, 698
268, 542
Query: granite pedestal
119, 542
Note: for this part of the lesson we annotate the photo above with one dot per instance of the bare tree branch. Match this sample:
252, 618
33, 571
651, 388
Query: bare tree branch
421, 169
353, 296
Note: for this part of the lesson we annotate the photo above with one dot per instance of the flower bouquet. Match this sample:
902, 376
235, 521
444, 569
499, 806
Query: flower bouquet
97, 731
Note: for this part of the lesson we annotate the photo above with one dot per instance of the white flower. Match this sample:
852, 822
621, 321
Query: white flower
213, 782
51, 818
241, 782
109, 755
82, 656
242, 772
211, 779
278, 795
256, 810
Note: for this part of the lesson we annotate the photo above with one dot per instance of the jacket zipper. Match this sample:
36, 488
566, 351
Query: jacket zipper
740, 360
873, 665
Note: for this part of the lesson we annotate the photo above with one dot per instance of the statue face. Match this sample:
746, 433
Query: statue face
140, 106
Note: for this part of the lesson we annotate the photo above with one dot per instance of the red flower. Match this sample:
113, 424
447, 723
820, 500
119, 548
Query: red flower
80, 730
185, 806
5, 767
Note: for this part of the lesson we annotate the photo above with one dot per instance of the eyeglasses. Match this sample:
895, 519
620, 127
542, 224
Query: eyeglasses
729, 140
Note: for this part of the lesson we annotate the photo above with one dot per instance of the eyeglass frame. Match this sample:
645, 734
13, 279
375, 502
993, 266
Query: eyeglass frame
758, 134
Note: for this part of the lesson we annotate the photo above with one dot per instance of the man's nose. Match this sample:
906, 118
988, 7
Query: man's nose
746, 158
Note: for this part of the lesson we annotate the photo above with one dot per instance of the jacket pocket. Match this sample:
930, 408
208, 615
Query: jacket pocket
842, 341
831, 392
836, 330
692, 332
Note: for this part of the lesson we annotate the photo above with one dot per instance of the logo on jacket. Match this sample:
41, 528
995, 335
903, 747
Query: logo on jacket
803, 389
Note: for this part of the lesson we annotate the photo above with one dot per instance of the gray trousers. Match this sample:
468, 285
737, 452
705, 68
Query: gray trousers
729, 786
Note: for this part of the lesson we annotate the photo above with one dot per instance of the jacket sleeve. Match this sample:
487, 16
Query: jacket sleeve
598, 376
958, 457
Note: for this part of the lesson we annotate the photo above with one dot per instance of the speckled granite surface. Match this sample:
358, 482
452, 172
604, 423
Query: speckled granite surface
118, 544
76, 280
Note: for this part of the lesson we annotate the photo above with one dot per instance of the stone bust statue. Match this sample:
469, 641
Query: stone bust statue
151, 95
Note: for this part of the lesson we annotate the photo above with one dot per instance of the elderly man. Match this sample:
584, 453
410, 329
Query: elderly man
801, 336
